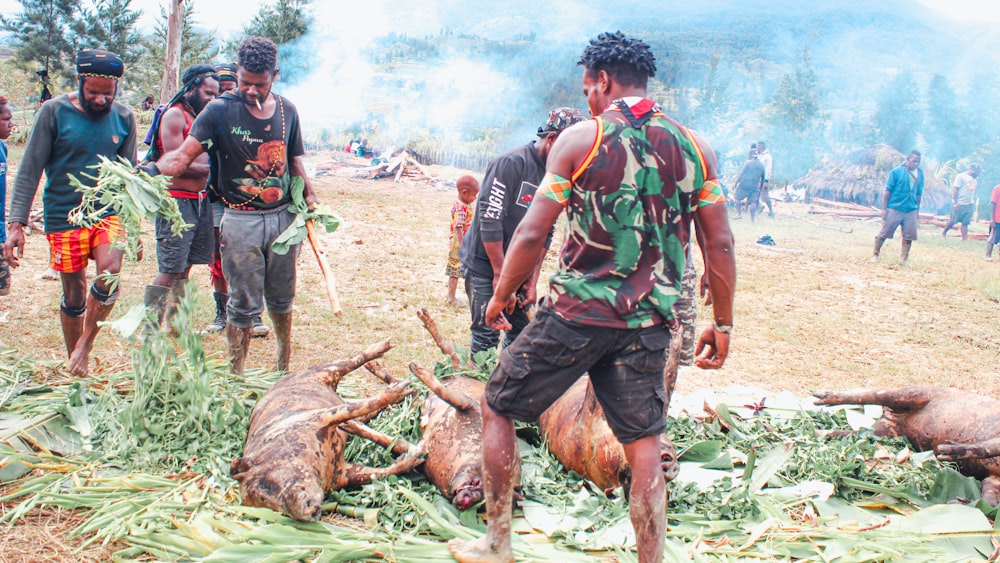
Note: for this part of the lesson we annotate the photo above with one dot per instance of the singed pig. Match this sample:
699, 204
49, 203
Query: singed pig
577, 434
452, 424
294, 449
957, 425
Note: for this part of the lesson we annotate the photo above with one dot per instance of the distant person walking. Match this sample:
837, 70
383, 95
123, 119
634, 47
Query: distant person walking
994, 222
963, 200
901, 206
70, 133
749, 183
764, 156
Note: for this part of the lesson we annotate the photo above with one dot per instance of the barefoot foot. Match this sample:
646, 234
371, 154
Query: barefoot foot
78, 362
478, 551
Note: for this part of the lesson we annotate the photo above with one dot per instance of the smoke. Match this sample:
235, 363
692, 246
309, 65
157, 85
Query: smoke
483, 75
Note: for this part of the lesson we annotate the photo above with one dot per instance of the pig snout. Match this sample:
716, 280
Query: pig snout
303, 501
468, 494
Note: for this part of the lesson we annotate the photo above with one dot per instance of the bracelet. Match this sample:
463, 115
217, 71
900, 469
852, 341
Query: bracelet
725, 329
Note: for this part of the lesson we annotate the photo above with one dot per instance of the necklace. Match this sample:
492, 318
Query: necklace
270, 171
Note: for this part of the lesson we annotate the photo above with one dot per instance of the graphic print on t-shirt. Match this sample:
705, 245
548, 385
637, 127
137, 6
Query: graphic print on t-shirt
266, 171
526, 194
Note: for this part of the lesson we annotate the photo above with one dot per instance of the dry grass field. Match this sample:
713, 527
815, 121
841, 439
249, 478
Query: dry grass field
811, 312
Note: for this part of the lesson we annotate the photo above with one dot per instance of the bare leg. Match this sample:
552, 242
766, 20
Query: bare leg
965, 231
648, 498
499, 456
109, 261
74, 297
96, 312
878, 246
239, 346
904, 252
283, 335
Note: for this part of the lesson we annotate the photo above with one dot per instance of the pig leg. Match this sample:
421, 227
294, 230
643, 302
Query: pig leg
393, 394
991, 490
335, 371
353, 475
951, 451
455, 398
398, 445
904, 399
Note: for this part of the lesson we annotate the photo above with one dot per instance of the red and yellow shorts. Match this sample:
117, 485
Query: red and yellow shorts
71, 250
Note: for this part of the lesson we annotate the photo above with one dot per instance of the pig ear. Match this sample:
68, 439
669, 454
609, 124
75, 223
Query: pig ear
238, 467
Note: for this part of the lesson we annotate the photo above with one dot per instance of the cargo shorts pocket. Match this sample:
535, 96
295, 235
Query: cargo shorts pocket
558, 343
648, 352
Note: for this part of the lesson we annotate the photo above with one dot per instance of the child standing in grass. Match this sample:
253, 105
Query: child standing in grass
6, 116
461, 218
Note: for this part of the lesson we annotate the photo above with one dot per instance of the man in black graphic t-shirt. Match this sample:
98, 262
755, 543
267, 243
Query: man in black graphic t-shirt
254, 136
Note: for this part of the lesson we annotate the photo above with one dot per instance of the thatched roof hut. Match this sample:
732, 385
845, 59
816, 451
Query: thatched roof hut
860, 176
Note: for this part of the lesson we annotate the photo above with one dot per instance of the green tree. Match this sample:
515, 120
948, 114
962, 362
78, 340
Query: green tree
943, 120
43, 33
282, 22
794, 107
897, 115
711, 101
111, 25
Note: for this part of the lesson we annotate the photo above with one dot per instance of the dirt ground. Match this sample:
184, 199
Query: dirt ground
811, 312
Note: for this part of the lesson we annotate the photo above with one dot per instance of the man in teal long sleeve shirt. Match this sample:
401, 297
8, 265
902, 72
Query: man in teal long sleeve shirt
901, 206
69, 134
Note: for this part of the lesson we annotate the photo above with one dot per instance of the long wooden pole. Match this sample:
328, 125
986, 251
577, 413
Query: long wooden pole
324, 266
172, 54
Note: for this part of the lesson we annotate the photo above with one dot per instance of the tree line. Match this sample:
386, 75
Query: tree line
46, 34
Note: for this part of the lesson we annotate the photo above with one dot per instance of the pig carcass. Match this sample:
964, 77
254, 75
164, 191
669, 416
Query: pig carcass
957, 425
577, 434
294, 448
452, 424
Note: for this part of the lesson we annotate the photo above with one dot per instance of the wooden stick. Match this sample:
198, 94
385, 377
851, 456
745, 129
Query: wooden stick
324, 266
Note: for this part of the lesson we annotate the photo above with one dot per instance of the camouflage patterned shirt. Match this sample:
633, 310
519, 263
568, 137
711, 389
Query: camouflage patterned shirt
629, 208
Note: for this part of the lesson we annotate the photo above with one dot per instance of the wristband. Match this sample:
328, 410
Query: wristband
725, 329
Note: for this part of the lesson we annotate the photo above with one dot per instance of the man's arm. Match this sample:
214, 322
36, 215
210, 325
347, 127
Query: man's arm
29, 172
716, 239
172, 137
298, 168
177, 161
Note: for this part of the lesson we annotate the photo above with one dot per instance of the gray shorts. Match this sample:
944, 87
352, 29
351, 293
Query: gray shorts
625, 367
255, 273
907, 220
175, 253
962, 214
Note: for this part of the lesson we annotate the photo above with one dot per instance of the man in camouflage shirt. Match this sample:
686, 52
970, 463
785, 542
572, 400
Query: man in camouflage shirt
631, 180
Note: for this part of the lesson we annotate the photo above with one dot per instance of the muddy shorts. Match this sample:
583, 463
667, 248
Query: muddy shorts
4, 277
217, 210
625, 367
256, 274
962, 214
70, 251
174, 253
907, 220
749, 194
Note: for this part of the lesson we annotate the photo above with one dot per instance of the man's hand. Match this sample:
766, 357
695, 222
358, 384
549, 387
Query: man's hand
495, 317
527, 295
312, 200
712, 349
149, 168
13, 249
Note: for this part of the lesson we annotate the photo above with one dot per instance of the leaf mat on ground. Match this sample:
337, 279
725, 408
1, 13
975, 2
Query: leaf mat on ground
165, 490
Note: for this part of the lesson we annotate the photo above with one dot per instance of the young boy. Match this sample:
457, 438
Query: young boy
6, 115
461, 218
